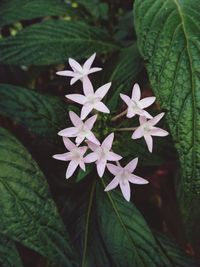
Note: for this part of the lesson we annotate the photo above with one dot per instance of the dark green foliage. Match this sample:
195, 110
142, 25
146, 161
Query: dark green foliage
168, 41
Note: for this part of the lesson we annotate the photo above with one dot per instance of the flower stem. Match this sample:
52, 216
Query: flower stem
119, 115
126, 129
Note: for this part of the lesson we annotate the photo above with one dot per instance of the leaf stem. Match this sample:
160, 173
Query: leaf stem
119, 115
125, 129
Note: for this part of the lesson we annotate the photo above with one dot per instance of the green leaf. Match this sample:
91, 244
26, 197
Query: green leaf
169, 38
176, 255
54, 41
41, 115
127, 67
9, 256
15, 10
27, 211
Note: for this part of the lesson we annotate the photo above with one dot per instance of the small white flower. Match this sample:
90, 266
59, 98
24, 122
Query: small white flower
79, 72
147, 130
136, 105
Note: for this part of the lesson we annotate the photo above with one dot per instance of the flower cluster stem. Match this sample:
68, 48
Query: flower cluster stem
119, 115
126, 129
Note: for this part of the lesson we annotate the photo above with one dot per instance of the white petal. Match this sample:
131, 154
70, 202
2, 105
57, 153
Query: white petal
131, 165
71, 168
100, 106
130, 113
90, 122
102, 91
144, 113
91, 137
114, 169
79, 139
81, 99
75, 79
147, 101
88, 63
158, 132
86, 109
137, 179
82, 150
113, 184
68, 144
68, 73
149, 142
92, 145
75, 119
107, 143
68, 132
156, 119
82, 165
75, 65
64, 156
92, 157
126, 99
125, 188
87, 86
92, 70
136, 93
101, 165
113, 156
138, 133
142, 120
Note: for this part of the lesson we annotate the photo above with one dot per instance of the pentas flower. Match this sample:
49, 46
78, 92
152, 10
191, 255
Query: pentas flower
136, 105
147, 130
91, 100
79, 72
124, 176
75, 156
102, 153
81, 130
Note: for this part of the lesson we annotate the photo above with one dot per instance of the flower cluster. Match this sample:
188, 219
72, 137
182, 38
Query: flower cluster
101, 152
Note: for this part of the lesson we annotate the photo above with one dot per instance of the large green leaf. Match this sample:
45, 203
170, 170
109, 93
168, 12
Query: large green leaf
54, 41
27, 211
16, 10
169, 37
41, 115
9, 256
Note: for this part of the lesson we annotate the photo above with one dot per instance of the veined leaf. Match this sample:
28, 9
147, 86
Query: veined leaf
9, 256
54, 41
41, 115
169, 37
27, 211
16, 10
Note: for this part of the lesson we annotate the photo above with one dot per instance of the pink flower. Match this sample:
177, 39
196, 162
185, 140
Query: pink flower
91, 100
147, 130
75, 156
81, 130
123, 175
102, 153
79, 72
135, 105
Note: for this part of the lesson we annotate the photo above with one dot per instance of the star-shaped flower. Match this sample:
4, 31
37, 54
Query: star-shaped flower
147, 130
124, 176
91, 100
81, 130
75, 156
136, 105
79, 72
102, 153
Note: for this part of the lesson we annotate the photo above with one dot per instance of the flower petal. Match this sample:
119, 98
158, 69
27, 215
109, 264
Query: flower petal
92, 157
125, 188
68, 132
88, 63
82, 150
131, 165
136, 93
102, 91
134, 179
107, 143
147, 101
81, 99
75, 65
82, 165
101, 165
87, 86
142, 120
100, 106
68, 73
64, 156
92, 145
126, 99
91, 137
138, 133
158, 132
79, 139
113, 184
113, 156
114, 169
86, 109
75, 119
90, 122
156, 119
75, 79
68, 144
71, 168
144, 113
149, 142
130, 113
92, 70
